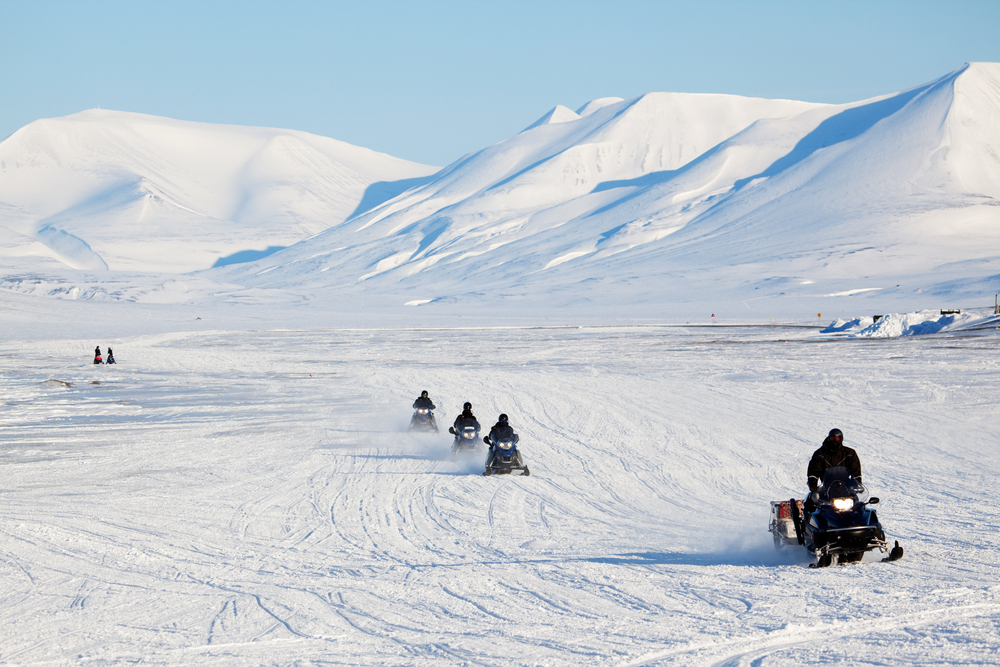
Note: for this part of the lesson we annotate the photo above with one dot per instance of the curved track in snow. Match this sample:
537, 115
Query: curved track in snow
252, 497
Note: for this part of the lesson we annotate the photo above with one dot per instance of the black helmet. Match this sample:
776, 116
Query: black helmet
467, 406
836, 433
423, 394
502, 419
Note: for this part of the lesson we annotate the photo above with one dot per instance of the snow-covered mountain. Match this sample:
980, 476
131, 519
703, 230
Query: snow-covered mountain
106, 189
708, 195
660, 203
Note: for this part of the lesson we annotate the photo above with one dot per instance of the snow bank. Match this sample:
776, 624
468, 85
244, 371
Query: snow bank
895, 325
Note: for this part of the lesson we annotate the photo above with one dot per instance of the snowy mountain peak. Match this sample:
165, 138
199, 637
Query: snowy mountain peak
685, 193
559, 114
593, 105
151, 193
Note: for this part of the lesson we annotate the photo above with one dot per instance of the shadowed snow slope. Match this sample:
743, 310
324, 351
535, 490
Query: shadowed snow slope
106, 189
674, 196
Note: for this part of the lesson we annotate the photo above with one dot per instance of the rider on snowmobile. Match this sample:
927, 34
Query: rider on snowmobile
423, 402
833, 453
502, 431
466, 419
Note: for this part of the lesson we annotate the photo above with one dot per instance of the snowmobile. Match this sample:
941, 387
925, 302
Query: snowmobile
841, 528
423, 421
505, 457
466, 440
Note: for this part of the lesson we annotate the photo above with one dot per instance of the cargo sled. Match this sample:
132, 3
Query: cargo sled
782, 526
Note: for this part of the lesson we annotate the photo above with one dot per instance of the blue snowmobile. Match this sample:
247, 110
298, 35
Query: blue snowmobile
504, 457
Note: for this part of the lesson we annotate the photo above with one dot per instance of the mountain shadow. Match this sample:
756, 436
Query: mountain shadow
382, 191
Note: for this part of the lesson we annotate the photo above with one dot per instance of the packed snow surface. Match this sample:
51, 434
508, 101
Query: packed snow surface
239, 496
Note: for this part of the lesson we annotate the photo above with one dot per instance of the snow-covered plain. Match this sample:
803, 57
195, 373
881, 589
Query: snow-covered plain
251, 497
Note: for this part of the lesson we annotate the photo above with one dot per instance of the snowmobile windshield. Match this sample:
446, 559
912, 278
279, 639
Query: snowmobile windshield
838, 482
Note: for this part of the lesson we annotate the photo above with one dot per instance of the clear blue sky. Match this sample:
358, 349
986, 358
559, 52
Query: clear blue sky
432, 80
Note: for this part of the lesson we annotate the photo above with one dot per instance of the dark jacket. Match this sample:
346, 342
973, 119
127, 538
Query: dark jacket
502, 432
831, 455
423, 403
466, 419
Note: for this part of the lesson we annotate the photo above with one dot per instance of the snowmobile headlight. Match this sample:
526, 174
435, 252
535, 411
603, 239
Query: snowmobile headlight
470, 435
843, 504
423, 411
505, 444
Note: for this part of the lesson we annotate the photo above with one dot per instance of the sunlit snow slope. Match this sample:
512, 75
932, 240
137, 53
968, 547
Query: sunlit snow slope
107, 189
672, 197
669, 204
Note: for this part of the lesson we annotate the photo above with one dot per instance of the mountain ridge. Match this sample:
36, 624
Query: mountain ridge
229, 188
679, 198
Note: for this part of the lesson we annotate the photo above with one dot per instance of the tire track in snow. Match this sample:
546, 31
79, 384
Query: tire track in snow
751, 650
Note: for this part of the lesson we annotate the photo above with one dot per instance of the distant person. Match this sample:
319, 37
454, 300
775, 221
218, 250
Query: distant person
425, 421
424, 401
111, 356
465, 419
97, 355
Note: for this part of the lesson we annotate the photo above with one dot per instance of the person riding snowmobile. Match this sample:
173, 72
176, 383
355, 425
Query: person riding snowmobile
831, 454
97, 355
424, 402
422, 422
465, 419
111, 357
835, 457
502, 431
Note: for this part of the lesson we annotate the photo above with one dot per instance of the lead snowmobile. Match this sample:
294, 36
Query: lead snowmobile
504, 457
423, 421
842, 528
